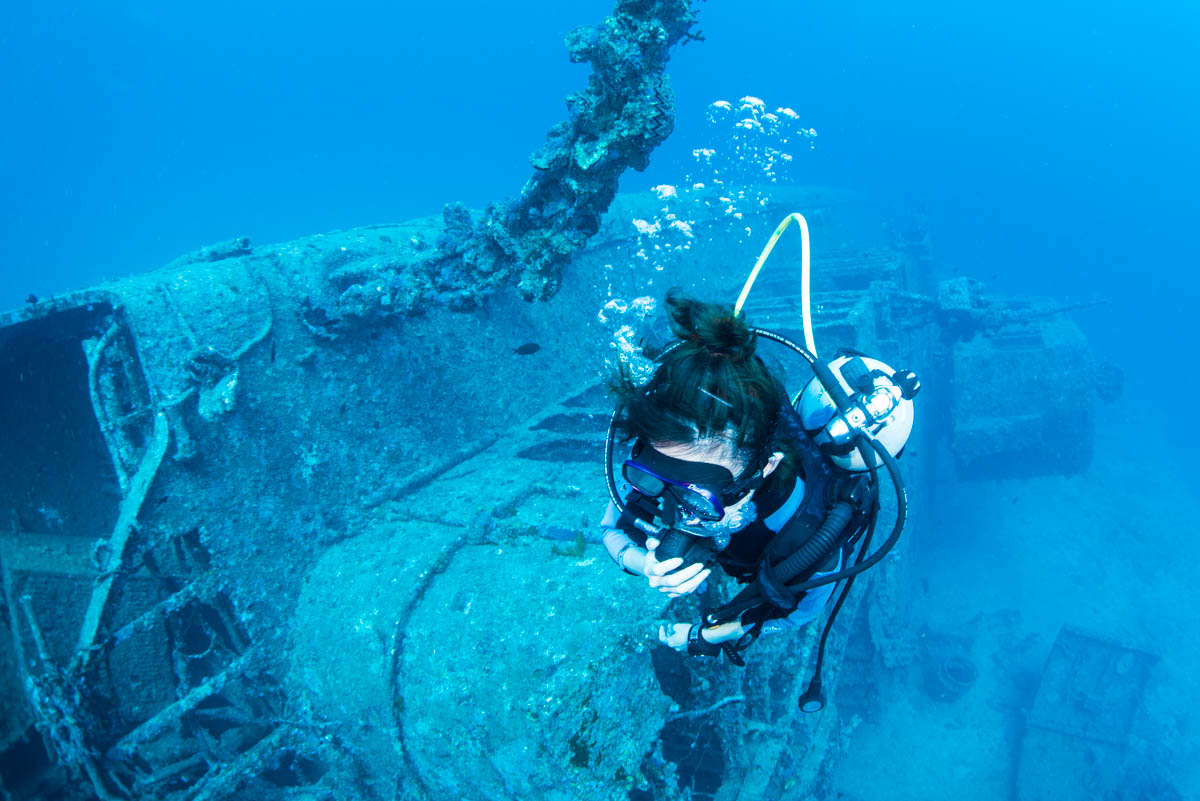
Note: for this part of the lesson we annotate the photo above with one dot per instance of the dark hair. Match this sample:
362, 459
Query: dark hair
709, 386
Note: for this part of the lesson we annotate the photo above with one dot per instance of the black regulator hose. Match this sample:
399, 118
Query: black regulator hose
609, 478
863, 442
818, 545
893, 469
813, 699
752, 596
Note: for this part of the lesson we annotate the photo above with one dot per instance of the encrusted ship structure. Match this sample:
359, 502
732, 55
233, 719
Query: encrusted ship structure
258, 544
317, 520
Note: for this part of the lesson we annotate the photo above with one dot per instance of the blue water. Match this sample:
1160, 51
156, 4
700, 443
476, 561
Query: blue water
136, 132
1048, 144
1052, 148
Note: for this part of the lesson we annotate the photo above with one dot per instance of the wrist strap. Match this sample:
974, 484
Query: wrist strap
698, 646
621, 555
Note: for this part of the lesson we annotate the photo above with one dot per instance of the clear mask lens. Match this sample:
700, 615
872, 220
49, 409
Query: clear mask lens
692, 501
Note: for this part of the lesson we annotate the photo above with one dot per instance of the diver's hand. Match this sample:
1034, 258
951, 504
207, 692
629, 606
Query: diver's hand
669, 576
676, 635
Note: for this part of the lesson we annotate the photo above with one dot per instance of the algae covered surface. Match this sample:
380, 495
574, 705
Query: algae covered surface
522, 697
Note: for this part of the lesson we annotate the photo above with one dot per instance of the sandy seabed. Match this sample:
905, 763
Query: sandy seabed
1002, 567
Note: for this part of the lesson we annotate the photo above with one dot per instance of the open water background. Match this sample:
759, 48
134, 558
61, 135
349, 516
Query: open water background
1051, 145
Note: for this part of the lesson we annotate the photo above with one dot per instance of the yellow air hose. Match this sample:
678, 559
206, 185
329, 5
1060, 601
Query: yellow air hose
804, 269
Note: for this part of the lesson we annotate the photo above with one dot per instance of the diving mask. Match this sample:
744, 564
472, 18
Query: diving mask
700, 490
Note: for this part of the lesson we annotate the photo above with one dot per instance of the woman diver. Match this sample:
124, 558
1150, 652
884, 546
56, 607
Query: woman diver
723, 471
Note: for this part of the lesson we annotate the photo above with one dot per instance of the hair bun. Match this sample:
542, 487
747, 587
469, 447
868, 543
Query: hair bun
711, 326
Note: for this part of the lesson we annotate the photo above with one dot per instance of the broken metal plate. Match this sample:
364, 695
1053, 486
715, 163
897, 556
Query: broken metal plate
1091, 688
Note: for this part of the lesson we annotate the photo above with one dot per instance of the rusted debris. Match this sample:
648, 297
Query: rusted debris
170, 716
131, 504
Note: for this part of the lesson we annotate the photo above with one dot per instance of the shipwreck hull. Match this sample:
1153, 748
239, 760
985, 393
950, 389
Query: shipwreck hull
279, 524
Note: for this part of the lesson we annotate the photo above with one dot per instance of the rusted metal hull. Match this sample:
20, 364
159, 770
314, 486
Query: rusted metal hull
279, 525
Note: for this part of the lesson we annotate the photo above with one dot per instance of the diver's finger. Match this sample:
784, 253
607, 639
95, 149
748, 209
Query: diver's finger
668, 566
670, 582
651, 544
693, 583
675, 577
656, 578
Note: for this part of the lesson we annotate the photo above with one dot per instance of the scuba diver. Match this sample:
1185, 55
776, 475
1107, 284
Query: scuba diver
725, 470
